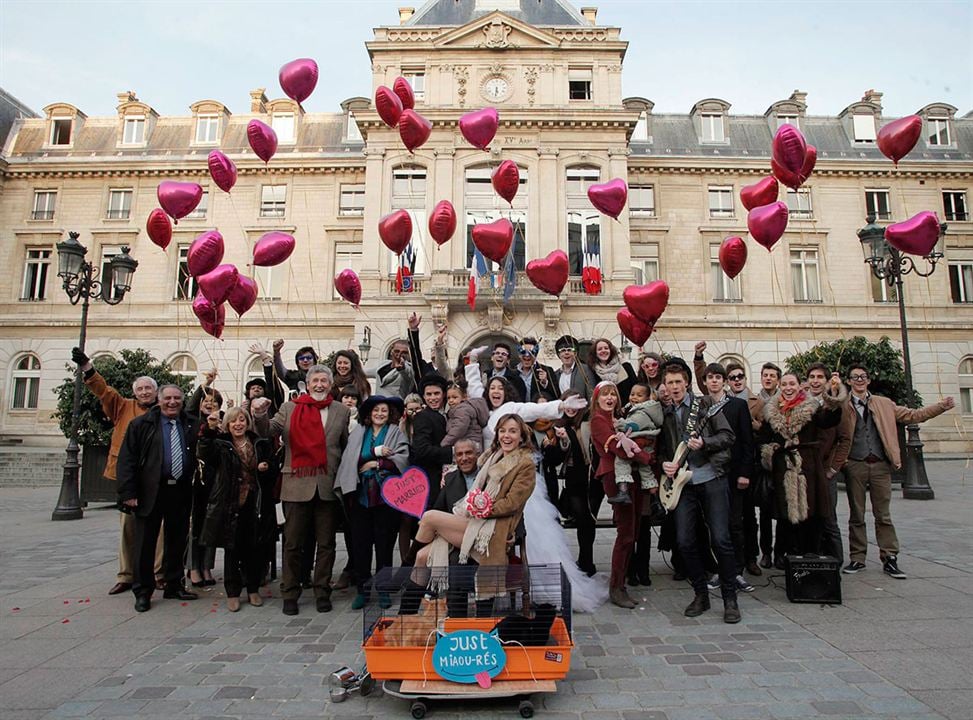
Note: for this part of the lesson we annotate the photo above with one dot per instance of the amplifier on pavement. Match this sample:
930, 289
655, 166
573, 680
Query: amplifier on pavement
813, 579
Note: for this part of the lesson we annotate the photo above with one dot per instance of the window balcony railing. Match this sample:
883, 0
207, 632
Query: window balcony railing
42, 215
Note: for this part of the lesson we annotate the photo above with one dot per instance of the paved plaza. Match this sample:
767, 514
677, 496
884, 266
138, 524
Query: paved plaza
894, 649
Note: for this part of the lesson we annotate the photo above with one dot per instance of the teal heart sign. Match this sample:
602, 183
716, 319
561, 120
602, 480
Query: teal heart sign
469, 656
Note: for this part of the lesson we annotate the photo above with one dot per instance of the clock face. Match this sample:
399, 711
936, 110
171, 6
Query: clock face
496, 89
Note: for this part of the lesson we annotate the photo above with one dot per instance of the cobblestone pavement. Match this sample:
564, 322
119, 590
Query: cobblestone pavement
894, 649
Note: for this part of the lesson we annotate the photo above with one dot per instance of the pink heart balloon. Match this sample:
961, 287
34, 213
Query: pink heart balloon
897, 138
506, 180
388, 105
789, 148
609, 198
273, 248
179, 199
158, 228
633, 328
407, 492
788, 178
243, 295
222, 170
494, 239
298, 78
218, 283
647, 302
917, 236
403, 89
395, 229
413, 129
480, 127
348, 286
442, 222
205, 253
761, 193
549, 274
212, 318
767, 223
810, 160
262, 139
733, 256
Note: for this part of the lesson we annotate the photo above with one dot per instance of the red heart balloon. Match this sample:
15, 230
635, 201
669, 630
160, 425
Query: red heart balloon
480, 127
413, 129
298, 78
609, 198
348, 286
158, 228
810, 160
442, 222
179, 199
633, 328
212, 318
494, 239
218, 283
761, 193
647, 302
222, 170
388, 105
791, 180
767, 223
243, 295
262, 139
789, 148
273, 248
897, 138
733, 256
395, 229
403, 89
549, 274
917, 236
506, 180
205, 253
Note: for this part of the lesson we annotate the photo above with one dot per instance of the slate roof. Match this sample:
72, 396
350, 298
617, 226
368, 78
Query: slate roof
11, 109
540, 13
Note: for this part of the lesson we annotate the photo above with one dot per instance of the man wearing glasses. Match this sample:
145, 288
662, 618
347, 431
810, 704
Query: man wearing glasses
529, 372
874, 452
499, 363
571, 375
305, 358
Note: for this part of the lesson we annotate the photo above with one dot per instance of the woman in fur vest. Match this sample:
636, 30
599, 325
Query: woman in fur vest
791, 451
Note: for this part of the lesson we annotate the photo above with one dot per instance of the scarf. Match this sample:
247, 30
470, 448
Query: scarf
370, 488
787, 405
309, 449
743, 394
611, 371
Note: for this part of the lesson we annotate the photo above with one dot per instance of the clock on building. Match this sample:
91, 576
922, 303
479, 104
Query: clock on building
495, 88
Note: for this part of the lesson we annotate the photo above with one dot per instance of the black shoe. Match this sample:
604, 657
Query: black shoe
323, 604
853, 567
623, 498
754, 569
632, 580
766, 562
290, 607
779, 562
678, 576
142, 603
587, 568
178, 593
698, 606
644, 579
731, 611
891, 568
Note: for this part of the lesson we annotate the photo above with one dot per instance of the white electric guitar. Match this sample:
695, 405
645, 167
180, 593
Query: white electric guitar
671, 487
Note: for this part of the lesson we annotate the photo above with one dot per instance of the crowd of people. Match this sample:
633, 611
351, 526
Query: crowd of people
515, 451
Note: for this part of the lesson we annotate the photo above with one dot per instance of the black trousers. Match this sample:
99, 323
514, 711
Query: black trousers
172, 505
373, 534
243, 563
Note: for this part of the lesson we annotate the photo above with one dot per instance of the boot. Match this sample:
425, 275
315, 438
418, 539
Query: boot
410, 559
731, 611
411, 598
619, 597
622, 498
698, 606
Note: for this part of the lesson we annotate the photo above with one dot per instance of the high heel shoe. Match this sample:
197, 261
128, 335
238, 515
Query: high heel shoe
194, 583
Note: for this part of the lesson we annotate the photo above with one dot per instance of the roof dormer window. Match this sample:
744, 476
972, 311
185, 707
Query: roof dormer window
207, 129
133, 132
61, 128
284, 125
788, 120
937, 131
864, 128
712, 128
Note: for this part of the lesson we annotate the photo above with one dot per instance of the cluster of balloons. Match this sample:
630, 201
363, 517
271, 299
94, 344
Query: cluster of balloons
396, 107
644, 305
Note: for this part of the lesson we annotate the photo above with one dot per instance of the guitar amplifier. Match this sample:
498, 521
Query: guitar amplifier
813, 579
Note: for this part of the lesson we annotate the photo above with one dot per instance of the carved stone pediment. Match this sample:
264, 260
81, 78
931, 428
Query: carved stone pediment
496, 31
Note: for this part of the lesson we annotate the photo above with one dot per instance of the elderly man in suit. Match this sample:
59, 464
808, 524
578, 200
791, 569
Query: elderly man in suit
314, 431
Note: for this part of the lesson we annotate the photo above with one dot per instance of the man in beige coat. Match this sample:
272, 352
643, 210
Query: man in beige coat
314, 431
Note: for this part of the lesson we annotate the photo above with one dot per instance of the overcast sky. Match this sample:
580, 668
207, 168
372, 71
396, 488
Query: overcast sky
748, 53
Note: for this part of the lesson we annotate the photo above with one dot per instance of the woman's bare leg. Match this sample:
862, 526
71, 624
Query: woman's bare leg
445, 525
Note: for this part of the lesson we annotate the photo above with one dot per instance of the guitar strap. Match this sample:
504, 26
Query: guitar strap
690, 426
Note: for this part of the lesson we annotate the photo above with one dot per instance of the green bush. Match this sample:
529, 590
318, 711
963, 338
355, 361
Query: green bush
883, 361
93, 427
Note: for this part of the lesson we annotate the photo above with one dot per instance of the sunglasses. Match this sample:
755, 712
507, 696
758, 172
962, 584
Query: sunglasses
858, 377
302, 358
524, 351
735, 377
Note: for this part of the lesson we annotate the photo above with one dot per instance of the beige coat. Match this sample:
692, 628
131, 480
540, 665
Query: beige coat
886, 414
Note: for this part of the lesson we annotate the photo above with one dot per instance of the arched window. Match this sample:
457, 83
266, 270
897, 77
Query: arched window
101, 355
26, 383
966, 385
254, 371
728, 358
483, 205
184, 365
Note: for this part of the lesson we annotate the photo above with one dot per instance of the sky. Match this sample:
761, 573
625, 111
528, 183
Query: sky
750, 54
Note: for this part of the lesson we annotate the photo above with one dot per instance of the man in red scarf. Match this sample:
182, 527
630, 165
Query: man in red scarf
314, 431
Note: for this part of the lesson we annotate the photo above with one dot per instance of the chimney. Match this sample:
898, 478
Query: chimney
405, 14
799, 97
127, 96
874, 97
589, 14
258, 101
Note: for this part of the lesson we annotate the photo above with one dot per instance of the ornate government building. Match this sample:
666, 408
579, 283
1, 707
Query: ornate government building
555, 75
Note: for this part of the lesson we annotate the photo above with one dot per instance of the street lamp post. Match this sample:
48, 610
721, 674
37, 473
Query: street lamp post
890, 265
365, 346
81, 282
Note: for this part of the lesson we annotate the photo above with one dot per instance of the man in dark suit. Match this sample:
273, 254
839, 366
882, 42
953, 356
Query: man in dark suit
155, 471
429, 429
457, 483
572, 375
526, 375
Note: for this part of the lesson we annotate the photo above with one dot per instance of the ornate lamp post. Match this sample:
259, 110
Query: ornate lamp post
625, 348
81, 282
365, 346
890, 265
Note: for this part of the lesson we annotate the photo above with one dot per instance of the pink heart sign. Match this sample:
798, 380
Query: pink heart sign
407, 492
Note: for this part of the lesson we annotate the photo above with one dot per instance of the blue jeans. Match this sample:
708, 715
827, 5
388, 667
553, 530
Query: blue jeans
712, 498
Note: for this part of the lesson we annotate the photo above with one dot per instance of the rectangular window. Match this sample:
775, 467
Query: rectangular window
882, 292
725, 288
414, 255
119, 204
787, 120
877, 203
133, 131
966, 400
720, 201
36, 270
273, 201
353, 134
408, 181
799, 204
937, 131
804, 275
641, 131
107, 283
579, 83
417, 79
954, 205
347, 256
200, 211
43, 205
352, 202
961, 281
207, 129
584, 241
519, 221
61, 131
185, 283
270, 281
646, 269
641, 200
284, 125
864, 126
579, 179
27, 386
712, 128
